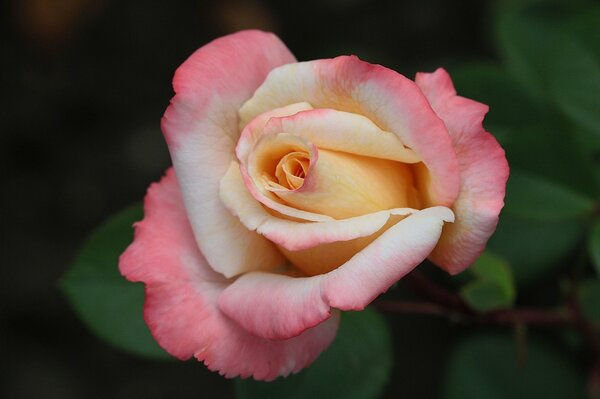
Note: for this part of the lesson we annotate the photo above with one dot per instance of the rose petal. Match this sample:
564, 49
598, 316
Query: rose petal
288, 306
343, 185
332, 130
252, 132
181, 298
337, 185
253, 179
201, 128
291, 234
391, 101
483, 172
274, 306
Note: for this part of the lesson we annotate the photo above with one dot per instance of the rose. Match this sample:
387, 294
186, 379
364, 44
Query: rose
302, 189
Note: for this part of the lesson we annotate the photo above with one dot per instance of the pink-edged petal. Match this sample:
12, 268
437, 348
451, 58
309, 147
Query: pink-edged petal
483, 173
252, 132
390, 100
289, 305
332, 130
294, 235
389, 258
285, 308
201, 129
182, 293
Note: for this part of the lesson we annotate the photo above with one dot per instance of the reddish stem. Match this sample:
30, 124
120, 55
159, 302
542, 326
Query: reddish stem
594, 380
428, 289
448, 304
587, 329
529, 316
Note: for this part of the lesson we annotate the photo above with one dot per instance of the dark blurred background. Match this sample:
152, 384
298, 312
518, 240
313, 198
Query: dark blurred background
84, 84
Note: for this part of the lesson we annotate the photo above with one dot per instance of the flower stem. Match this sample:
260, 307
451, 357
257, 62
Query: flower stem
528, 316
444, 303
428, 289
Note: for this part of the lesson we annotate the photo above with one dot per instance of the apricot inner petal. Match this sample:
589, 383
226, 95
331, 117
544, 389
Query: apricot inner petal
292, 173
292, 169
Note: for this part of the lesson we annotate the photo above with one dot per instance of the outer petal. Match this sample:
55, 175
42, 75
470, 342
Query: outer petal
389, 99
201, 128
483, 173
290, 305
181, 299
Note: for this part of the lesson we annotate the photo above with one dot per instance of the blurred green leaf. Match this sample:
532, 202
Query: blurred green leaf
589, 299
108, 304
524, 45
356, 366
485, 366
534, 248
533, 197
574, 82
548, 149
594, 247
589, 142
509, 103
584, 26
493, 286
550, 61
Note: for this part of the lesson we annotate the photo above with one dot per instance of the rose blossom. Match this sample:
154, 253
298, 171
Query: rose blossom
300, 189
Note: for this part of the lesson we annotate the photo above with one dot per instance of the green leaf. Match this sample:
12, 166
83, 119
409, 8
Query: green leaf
584, 26
509, 103
533, 197
534, 248
493, 286
589, 299
589, 142
108, 304
574, 82
548, 149
594, 246
524, 46
550, 61
356, 366
485, 366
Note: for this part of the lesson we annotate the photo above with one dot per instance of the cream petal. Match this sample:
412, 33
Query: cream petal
338, 185
343, 185
296, 235
253, 130
390, 100
258, 175
201, 129
344, 132
289, 305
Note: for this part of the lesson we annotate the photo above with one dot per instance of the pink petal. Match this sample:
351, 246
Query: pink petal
483, 173
389, 99
182, 293
285, 307
201, 129
290, 305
